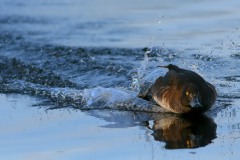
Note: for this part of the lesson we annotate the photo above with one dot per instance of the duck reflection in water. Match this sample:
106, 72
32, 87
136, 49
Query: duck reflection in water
179, 131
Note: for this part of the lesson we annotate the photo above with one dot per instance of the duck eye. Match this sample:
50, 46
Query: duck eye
187, 93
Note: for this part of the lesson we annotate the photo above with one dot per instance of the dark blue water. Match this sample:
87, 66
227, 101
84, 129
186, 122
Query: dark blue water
81, 64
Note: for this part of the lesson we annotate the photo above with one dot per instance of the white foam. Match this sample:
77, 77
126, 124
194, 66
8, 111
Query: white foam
109, 96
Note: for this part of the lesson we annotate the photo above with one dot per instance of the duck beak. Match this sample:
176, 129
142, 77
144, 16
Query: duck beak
195, 103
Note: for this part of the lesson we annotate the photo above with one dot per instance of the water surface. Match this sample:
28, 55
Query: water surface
70, 72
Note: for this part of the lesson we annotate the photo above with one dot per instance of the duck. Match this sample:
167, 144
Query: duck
181, 91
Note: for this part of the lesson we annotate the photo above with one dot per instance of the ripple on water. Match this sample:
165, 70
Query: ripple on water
236, 56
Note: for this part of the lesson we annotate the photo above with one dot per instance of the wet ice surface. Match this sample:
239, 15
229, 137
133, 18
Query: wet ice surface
70, 73
32, 132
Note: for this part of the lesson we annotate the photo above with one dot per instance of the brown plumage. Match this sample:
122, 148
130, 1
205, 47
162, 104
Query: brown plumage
182, 91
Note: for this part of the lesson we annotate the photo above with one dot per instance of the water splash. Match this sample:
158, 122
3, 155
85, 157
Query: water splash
87, 99
138, 79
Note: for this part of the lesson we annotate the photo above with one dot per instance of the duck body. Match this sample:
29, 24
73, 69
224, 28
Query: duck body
182, 91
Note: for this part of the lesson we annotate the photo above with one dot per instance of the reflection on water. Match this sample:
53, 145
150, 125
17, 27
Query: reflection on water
183, 132
177, 131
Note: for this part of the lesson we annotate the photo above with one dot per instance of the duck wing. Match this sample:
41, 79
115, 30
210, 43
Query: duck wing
164, 83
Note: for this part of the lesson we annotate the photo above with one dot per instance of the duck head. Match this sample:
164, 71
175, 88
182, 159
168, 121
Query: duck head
191, 96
